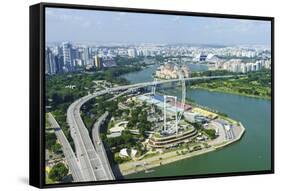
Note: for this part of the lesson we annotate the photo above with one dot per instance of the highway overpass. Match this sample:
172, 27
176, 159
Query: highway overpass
92, 157
67, 150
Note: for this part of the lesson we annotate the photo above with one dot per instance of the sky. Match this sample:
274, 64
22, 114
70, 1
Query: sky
89, 26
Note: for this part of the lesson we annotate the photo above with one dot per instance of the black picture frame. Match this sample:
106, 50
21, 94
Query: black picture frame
37, 94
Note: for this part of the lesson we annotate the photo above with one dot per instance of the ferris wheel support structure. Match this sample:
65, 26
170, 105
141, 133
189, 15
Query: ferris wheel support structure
183, 96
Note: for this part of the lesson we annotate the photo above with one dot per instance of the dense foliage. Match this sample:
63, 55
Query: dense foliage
124, 61
138, 120
58, 172
94, 108
63, 89
256, 84
210, 132
50, 140
212, 73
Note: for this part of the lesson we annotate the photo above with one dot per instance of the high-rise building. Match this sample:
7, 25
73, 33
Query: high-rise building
249, 67
139, 53
50, 62
75, 54
59, 63
132, 52
47, 62
78, 62
201, 57
86, 55
146, 52
267, 64
243, 68
97, 62
67, 56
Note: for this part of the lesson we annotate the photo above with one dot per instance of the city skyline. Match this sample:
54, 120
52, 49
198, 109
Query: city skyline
88, 26
153, 90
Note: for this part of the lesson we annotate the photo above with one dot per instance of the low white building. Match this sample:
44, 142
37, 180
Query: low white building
119, 127
128, 153
124, 153
134, 153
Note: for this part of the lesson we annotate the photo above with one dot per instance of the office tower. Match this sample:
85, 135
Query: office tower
97, 62
86, 56
139, 53
50, 62
59, 63
132, 52
243, 68
75, 54
146, 52
67, 56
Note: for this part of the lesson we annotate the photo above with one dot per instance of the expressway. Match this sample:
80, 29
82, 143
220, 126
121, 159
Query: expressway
67, 150
90, 162
93, 160
144, 84
98, 144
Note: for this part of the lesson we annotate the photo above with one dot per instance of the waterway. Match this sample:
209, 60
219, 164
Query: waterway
145, 75
251, 153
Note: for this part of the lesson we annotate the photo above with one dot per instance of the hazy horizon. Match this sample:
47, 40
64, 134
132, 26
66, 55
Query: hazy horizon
90, 26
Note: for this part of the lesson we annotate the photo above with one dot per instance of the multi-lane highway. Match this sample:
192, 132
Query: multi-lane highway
91, 165
98, 144
67, 150
93, 160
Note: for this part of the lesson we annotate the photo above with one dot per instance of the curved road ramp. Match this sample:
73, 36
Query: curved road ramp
86, 165
90, 162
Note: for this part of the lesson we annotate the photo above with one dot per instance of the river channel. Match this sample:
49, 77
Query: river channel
251, 153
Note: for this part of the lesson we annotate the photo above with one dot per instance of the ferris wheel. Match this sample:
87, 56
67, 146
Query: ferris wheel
178, 113
183, 95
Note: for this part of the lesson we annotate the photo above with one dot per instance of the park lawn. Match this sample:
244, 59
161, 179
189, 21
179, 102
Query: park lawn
255, 84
